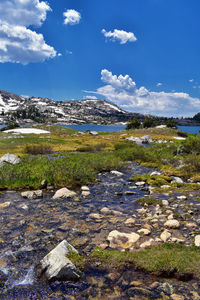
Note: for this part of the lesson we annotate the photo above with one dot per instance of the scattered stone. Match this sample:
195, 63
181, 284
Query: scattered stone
197, 241
165, 235
116, 213
31, 194
122, 240
147, 243
95, 216
144, 231
146, 139
57, 266
130, 222
155, 173
63, 193
85, 188
93, 133
117, 173
170, 217
105, 210
23, 206
181, 197
140, 183
172, 224
5, 204
141, 211
165, 186
177, 180
165, 202
130, 193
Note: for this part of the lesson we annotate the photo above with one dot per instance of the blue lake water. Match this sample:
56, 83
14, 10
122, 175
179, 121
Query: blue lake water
115, 128
190, 129
94, 127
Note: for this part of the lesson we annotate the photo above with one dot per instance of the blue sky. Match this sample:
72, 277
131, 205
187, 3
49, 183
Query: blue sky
143, 55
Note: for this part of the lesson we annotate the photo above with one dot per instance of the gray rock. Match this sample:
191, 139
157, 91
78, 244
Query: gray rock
165, 202
122, 240
197, 240
9, 158
94, 133
155, 173
177, 180
32, 194
165, 235
117, 173
63, 193
147, 243
172, 224
57, 266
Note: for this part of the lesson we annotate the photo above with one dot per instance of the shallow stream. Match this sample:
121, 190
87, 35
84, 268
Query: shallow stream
32, 228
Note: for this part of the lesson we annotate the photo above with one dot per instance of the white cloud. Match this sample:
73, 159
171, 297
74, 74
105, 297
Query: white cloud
119, 35
72, 17
191, 80
122, 90
18, 44
159, 84
90, 97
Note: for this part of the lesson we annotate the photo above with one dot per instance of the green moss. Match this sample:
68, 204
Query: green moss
78, 260
148, 201
165, 259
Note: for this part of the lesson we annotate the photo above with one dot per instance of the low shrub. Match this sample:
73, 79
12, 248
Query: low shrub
92, 148
191, 145
38, 149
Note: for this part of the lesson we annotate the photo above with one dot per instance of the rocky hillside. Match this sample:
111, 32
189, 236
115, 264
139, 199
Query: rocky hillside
18, 108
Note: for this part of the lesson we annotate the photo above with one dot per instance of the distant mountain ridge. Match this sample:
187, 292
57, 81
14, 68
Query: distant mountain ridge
17, 108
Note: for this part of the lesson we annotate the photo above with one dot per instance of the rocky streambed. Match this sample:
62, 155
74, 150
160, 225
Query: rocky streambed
106, 215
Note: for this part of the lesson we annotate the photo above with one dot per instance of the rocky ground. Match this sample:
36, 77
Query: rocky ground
106, 215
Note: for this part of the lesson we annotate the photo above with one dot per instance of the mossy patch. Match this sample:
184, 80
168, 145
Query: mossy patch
149, 201
166, 259
78, 260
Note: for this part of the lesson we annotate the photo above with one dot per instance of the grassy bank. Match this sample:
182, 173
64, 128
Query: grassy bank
167, 260
104, 152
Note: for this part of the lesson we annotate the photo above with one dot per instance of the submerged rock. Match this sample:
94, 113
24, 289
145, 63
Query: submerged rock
122, 240
63, 193
57, 266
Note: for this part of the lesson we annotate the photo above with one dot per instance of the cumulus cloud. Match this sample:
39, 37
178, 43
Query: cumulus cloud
191, 80
159, 84
18, 43
123, 91
119, 35
72, 17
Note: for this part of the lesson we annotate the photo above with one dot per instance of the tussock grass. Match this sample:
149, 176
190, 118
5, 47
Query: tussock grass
72, 171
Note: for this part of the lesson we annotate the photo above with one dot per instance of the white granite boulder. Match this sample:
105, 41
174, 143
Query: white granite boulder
56, 266
64, 193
